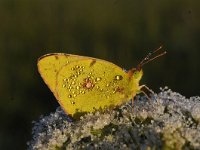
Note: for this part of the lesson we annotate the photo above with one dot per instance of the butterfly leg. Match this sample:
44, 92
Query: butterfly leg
146, 87
142, 87
146, 95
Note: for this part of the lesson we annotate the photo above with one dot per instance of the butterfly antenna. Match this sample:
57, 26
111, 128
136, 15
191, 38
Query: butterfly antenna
148, 58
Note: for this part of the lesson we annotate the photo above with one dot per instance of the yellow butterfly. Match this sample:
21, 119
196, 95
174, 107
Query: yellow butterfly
85, 84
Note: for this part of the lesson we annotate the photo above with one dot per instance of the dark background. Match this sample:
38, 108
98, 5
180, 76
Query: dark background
120, 31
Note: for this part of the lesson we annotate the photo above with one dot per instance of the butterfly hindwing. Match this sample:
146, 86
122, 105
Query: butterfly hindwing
89, 84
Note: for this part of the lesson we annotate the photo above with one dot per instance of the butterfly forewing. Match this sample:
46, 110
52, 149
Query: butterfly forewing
50, 64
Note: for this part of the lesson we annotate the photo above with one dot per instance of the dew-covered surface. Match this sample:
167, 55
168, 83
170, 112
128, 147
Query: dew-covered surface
168, 121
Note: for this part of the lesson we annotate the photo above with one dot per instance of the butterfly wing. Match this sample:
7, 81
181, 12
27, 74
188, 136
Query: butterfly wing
91, 84
50, 64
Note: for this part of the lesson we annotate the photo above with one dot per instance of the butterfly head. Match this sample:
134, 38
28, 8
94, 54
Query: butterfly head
137, 72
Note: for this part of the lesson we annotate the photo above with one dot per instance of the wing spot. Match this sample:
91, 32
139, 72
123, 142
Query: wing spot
66, 55
56, 57
93, 62
118, 89
88, 83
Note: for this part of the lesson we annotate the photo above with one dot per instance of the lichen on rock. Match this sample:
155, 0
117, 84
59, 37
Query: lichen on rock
168, 121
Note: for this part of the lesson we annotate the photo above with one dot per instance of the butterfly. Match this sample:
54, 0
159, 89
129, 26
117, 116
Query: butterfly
85, 84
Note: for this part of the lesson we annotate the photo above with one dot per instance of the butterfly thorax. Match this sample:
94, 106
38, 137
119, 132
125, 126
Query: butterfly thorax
135, 76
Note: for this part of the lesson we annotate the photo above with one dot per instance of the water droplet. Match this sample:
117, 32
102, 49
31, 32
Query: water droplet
74, 79
118, 77
77, 66
77, 87
107, 84
65, 79
74, 95
73, 92
72, 68
81, 70
64, 85
73, 102
90, 73
83, 92
70, 96
98, 79
97, 87
73, 82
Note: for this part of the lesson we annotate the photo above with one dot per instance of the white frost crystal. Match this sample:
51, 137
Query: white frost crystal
168, 121
195, 112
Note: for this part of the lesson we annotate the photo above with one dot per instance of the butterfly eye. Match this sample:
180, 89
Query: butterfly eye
136, 74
